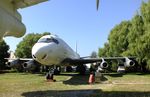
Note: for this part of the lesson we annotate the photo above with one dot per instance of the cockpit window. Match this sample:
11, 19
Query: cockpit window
48, 40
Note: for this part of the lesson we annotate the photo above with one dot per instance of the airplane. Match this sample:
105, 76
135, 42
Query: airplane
11, 20
51, 50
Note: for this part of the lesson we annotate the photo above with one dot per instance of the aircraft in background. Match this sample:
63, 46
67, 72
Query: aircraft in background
51, 50
11, 20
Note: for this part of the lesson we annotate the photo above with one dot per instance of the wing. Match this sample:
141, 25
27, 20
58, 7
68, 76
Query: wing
26, 63
21, 59
81, 61
127, 61
101, 63
16, 62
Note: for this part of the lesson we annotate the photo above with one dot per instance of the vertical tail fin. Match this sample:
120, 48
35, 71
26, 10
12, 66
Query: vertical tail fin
12, 54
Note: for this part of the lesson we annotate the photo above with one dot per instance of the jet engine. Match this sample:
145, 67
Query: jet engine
13, 63
29, 64
103, 64
128, 62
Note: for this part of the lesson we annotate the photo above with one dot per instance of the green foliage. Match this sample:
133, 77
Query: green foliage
135, 32
3, 54
145, 13
131, 38
118, 41
25, 46
104, 51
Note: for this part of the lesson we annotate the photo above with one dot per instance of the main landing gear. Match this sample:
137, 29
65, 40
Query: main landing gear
81, 69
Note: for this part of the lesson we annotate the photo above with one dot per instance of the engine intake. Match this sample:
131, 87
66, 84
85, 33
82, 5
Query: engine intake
29, 64
103, 64
12, 63
128, 62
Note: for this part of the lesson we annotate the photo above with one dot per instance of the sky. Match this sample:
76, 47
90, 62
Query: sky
77, 21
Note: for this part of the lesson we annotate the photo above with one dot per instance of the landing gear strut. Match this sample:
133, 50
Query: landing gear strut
81, 69
50, 76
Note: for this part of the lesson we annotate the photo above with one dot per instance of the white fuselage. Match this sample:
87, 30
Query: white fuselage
52, 50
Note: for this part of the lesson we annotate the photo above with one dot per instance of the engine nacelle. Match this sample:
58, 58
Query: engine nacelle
13, 63
29, 64
121, 69
128, 62
103, 64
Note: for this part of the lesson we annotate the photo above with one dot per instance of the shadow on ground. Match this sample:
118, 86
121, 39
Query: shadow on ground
84, 93
115, 74
60, 93
77, 79
5, 71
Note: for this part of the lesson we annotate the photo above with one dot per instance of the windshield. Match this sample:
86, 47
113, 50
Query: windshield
48, 40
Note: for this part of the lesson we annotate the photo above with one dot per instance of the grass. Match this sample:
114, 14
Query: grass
72, 85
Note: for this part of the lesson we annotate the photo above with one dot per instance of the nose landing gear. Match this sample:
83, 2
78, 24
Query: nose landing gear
50, 76
54, 70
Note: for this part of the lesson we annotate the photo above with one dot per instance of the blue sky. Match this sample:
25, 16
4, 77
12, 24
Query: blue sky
77, 21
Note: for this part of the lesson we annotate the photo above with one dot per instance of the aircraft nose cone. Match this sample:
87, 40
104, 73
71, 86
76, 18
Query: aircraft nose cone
39, 52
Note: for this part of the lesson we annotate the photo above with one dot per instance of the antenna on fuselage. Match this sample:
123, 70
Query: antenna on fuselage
97, 4
76, 47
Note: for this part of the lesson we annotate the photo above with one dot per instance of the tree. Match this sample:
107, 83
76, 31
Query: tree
25, 46
135, 32
131, 38
3, 54
104, 52
145, 13
143, 46
118, 41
